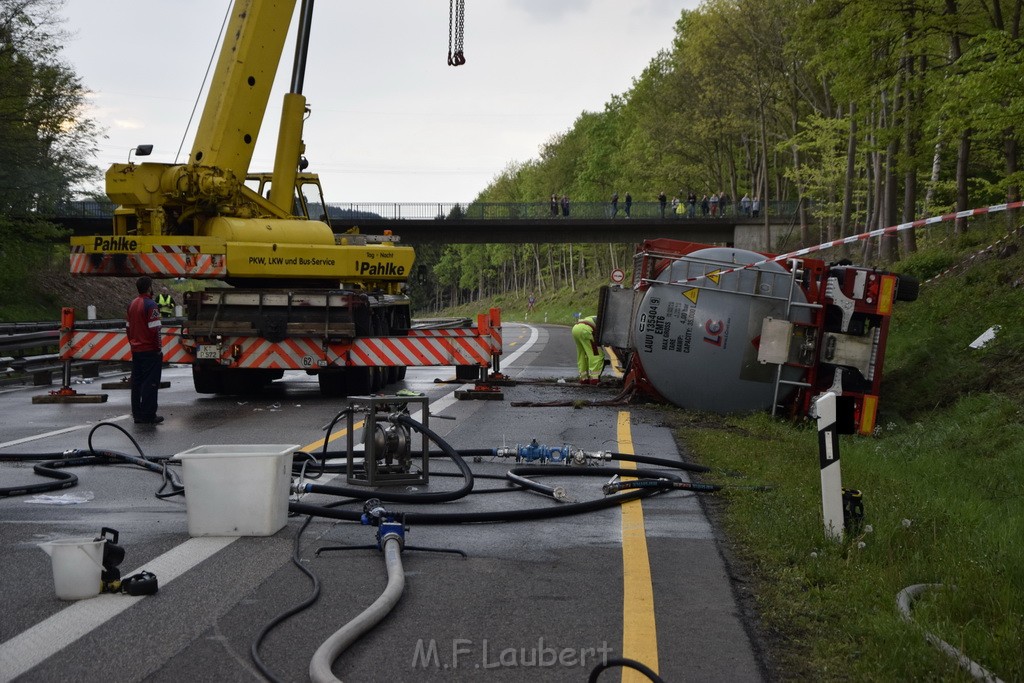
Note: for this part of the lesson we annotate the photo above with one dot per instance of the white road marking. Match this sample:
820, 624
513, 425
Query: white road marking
58, 432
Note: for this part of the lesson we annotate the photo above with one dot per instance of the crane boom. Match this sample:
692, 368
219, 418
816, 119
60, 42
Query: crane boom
240, 88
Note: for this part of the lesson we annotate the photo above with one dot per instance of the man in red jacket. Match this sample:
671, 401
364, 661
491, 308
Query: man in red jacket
147, 358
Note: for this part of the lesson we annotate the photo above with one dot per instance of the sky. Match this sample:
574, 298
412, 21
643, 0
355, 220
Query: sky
390, 121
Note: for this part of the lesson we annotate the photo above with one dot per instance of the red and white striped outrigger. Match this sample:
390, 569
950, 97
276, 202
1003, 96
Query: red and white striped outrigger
463, 346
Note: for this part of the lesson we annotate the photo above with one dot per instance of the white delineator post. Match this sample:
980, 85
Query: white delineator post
831, 476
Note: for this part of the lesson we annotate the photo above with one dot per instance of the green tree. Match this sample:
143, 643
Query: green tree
45, 139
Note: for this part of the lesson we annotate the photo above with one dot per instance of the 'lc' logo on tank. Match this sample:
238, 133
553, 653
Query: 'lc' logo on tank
713, 332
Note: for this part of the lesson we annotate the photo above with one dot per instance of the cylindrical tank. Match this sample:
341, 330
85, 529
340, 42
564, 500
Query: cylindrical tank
268, 230
697, 340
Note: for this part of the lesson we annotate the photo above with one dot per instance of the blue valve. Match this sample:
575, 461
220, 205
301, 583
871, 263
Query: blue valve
537, 453
387, 523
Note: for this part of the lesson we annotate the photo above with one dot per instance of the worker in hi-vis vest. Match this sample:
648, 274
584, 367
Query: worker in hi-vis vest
165, 302
589, 357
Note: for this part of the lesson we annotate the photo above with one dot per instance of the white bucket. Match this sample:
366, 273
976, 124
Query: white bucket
77, 566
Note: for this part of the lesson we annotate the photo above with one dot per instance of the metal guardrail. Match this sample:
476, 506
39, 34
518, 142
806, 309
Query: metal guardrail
11, 329
32, 351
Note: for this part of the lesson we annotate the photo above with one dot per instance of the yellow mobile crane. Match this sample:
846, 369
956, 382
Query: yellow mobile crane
301, 296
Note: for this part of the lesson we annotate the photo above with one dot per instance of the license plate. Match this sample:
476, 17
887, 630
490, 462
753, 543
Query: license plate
208, 352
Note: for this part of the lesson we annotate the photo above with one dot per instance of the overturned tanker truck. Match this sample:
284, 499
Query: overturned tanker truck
728, 330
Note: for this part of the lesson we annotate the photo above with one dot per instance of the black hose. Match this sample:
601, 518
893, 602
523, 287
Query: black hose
662, 484
662, 462
65, 480
489, 452
562, 471
170, 478
624, 662
464, 452
441, 518
330, 428
254, 651
518, 475
435, 497
21, 457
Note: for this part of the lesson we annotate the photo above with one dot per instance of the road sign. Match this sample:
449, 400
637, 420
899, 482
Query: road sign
618, 276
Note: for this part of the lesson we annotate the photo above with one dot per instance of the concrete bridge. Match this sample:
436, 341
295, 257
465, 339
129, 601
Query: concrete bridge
512, 223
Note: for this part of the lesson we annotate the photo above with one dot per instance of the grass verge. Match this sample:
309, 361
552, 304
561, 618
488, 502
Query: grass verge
938, 509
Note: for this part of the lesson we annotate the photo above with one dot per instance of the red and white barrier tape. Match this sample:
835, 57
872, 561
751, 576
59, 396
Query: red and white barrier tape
891, 230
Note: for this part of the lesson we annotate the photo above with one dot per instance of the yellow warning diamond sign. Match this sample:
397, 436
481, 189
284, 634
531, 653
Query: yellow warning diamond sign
692, 294
715, 276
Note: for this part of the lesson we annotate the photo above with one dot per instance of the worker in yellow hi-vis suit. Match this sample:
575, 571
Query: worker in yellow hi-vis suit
589, 357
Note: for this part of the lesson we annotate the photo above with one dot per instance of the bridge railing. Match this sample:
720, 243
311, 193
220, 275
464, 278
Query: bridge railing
85, 208
91, 208
538, 210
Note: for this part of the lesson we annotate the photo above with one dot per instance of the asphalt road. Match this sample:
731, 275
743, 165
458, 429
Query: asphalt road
534, 600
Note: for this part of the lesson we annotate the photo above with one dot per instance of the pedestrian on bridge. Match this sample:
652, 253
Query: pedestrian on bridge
755, 207
554, 206
565, 206
615, 204
745, 204
662, 201
691, 205
629, 203
589, 357
143, 327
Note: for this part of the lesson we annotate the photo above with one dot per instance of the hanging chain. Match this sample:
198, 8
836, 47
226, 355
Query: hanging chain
451, 11
456, 16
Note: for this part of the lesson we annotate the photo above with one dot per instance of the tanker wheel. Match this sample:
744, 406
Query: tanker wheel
360, 381
907, 288
333, 383
377, 379
207, 379
245, 382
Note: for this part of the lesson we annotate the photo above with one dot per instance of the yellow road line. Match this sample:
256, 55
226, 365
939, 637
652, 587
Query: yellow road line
616, 366
639, 634
337, 434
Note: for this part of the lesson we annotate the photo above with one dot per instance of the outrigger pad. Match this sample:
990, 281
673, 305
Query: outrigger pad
70, 398
480, 393
125, 384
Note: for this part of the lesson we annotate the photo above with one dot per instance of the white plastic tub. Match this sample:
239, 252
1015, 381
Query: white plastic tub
236, 490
